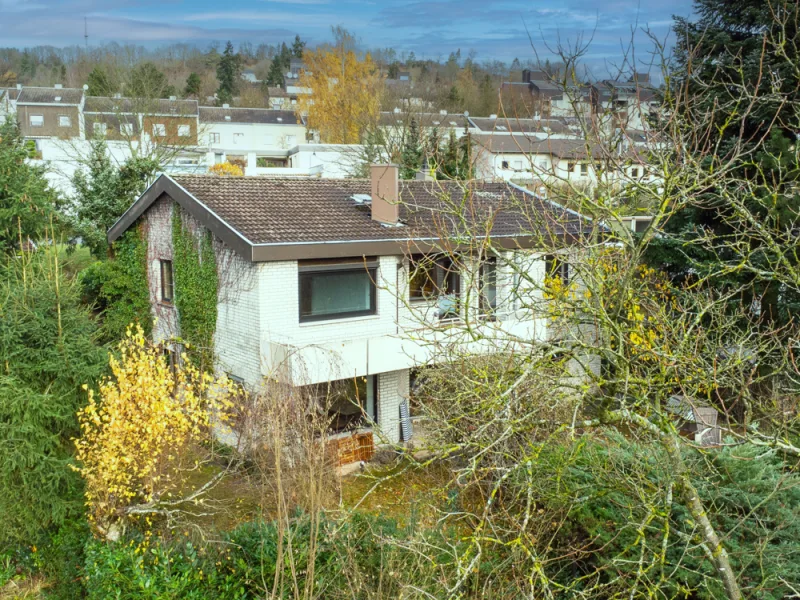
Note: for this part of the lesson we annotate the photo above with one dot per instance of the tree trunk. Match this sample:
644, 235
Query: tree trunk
671, 441
719, 555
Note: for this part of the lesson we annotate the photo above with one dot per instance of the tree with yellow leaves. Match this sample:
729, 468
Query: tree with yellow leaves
345, 91
140, 432
226, 169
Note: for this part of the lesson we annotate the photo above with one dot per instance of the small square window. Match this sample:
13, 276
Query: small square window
64, 121
634, 172
36, 120
167, 285
213, 138
504, 164
126, 129
518, 165
184, 131
99, 128
159, 130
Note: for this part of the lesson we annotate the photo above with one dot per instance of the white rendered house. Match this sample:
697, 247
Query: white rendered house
318, 281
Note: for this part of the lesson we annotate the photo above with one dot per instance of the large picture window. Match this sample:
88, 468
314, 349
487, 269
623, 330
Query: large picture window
336, 289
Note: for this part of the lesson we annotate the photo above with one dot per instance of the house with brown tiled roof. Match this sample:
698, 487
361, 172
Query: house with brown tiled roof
348, 282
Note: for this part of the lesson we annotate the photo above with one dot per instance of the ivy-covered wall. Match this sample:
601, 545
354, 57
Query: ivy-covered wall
196, 283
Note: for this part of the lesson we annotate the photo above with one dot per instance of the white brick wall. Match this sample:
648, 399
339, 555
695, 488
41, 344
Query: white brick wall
393, 388
237, 343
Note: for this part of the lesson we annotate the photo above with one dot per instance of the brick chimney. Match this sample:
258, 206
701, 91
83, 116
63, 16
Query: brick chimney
385, 195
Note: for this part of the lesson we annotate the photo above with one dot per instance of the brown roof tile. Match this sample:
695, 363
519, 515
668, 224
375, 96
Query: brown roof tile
291, 211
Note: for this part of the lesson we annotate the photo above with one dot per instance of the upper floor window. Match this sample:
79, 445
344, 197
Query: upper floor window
436, 277
167, 282
504, 164
635, 172
584, 169
184, 131
213, 138
335, 289
64, 121
159, 130
36, 120
99, 128
126, 129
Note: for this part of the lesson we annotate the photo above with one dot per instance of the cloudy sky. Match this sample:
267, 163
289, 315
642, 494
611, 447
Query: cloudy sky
493, 29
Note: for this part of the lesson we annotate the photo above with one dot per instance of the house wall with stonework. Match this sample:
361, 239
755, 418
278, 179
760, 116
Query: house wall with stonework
157, 222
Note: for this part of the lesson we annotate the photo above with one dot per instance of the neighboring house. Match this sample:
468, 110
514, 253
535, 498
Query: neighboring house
628, 104
539, 92
524, 158
280, 99
114, 118
291, 79
336, 161
258, 138
396, 123
319, 279
50, 112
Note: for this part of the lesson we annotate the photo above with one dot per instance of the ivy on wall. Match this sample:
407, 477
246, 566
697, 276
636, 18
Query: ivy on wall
196, 282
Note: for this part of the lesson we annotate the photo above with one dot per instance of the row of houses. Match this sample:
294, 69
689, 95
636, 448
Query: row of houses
624, 104
59, 123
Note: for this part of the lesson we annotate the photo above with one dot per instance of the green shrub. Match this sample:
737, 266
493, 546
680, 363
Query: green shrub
118, 288
61, 560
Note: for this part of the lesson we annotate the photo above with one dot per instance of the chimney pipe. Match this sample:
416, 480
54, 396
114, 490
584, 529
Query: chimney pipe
385, 195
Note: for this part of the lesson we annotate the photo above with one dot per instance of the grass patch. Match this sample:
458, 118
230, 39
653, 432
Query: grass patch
402, 491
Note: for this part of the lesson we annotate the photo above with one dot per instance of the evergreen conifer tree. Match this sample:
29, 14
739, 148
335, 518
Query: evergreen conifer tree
192, 85
229, 71
48, 349
27, 203
411, 154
